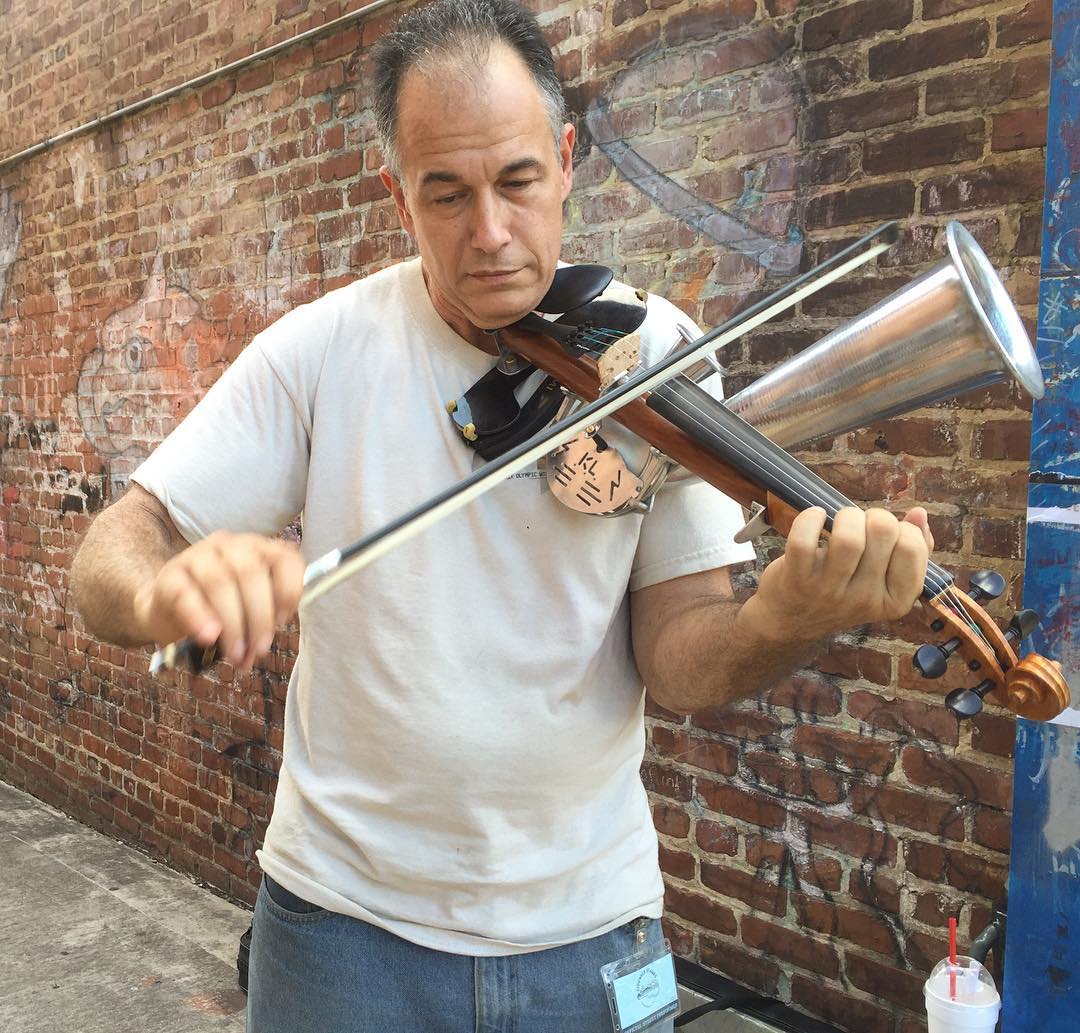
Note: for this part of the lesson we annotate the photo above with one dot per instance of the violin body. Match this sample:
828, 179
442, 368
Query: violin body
694, 430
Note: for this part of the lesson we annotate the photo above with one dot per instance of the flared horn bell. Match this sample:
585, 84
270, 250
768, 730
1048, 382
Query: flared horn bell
951, 330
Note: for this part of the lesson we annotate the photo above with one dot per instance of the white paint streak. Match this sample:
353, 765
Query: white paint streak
1062, 828
1053, 515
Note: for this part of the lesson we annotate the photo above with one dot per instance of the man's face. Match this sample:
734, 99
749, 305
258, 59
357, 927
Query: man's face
482, 189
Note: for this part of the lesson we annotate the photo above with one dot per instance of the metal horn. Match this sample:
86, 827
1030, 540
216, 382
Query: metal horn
951, 330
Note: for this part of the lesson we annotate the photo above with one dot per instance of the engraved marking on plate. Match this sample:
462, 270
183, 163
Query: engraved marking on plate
589, 479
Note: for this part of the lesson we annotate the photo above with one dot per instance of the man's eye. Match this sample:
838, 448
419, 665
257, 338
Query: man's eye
447, 199
517, 184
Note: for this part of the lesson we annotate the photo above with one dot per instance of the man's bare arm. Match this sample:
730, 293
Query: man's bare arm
137, 581
125, 547
696, 647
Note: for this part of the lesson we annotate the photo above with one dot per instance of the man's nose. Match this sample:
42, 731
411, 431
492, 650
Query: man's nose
490, 223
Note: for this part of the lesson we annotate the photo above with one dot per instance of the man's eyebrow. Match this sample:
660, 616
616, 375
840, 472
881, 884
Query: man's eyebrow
521, 165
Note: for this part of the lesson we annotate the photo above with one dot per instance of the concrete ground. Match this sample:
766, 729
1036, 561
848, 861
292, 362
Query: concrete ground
97, 938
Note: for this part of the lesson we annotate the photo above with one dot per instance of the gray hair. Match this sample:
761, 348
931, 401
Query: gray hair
459, 30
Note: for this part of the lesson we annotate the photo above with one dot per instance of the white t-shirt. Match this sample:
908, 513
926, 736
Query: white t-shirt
463, 727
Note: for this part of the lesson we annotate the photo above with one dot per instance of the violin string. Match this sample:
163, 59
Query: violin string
937, 579
808, 492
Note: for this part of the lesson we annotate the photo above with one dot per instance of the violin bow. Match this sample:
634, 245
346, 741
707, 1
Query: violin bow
335, 566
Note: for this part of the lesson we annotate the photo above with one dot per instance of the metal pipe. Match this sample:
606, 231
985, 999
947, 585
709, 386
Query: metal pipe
130, 109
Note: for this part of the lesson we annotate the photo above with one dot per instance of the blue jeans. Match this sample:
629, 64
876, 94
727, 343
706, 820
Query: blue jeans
315, 971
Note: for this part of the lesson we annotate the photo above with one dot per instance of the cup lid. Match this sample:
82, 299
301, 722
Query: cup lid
975, 987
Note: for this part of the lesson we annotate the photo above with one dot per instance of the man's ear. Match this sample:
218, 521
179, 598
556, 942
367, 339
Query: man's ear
566, 157
397, 192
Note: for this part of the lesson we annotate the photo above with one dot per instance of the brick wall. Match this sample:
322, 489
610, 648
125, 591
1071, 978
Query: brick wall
814, 840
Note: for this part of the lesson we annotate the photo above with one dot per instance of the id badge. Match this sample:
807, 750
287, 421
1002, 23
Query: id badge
641, 989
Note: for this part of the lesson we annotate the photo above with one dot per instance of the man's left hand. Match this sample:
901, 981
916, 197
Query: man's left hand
872, 567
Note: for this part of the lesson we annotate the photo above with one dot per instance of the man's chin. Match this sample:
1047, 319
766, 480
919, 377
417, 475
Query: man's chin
496, 317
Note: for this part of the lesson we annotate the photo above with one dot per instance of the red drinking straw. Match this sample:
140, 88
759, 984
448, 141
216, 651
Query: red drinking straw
952, 958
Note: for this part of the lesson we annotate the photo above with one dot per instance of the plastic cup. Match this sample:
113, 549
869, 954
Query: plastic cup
977, 1003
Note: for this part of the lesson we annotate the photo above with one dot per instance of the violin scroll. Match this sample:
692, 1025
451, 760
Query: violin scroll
1032, 687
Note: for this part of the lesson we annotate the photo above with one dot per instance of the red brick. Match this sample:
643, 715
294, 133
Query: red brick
885, 982
701, 910
1029, 25
856, 662
860, 204
731, 882
751, 725
950, 774
677, 863
705, 20
756, 808
850, 837
847, 749
992, 733
960, 868
978, 491
625, 10
805, 694
625, 45
923, 148
989, 185
869, 110
862, 927
910, 436
681, 747
1002, 439
836, 1006
733, 961
789, 779
897, 806
911, 719
763, 44
783, 942
859, 20
1015, 130
998, 538
666, 781
752, 134
681, 940
930, 49
715, 837
984, 86
992, 829
671, 820
940, 8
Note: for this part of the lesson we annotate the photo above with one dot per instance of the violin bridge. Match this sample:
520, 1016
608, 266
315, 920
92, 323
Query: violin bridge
619, 358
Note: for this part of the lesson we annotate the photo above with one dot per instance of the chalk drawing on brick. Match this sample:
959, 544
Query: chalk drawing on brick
754, 225
10, 234
146, 374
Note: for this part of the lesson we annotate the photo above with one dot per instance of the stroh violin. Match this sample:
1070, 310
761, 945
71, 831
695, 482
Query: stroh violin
952, 329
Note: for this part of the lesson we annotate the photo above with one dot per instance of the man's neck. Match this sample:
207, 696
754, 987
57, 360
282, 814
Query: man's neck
478, 338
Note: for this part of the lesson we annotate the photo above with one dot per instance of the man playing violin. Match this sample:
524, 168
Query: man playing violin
460, 837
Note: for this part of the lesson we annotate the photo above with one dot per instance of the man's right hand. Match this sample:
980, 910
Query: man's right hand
233, 589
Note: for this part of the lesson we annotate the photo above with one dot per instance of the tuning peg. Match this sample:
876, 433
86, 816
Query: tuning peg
1022, 625
985, 584
968, 702
930, 660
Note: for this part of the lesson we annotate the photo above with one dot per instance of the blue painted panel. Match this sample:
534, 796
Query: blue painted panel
1042, 957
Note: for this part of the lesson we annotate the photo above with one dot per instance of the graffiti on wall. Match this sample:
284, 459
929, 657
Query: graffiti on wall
10, 234
141, 379
750, 226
